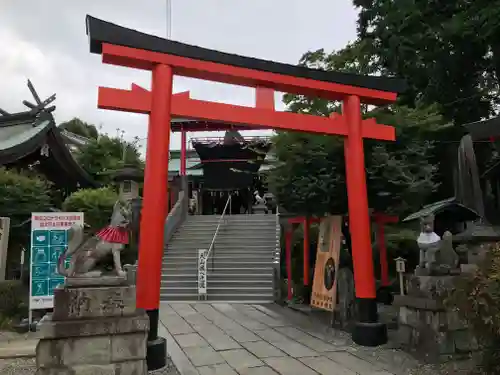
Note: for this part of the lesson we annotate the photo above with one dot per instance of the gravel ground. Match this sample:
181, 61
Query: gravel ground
27, 367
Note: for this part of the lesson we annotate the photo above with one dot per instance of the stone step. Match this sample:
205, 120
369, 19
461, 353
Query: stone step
232, 218
243, 277
224, 240
220, 264
214, 298
217, 283
216, 270
190, 252
232, 224
219, 257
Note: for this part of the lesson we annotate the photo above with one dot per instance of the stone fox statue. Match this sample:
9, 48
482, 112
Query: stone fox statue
86, 252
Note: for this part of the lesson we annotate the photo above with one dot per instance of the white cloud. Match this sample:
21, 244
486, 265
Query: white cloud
46, 42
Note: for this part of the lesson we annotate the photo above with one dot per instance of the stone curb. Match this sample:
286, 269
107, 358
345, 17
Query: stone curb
18, 349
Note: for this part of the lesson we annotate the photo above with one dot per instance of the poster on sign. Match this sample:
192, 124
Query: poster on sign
49, 238
324, 292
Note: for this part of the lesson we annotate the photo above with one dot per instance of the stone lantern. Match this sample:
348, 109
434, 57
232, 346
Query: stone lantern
128, 179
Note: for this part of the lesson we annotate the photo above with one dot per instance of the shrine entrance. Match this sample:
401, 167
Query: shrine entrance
164, 58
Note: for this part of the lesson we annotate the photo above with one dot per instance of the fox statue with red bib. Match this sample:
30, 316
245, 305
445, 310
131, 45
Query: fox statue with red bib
85, 252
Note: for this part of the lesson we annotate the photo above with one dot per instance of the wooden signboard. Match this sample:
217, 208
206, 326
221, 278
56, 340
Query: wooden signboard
324, 292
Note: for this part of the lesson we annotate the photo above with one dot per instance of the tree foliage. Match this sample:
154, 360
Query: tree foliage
476, 297
105, 154
20, 196
80, 127
447, 51
309, 177
96, 204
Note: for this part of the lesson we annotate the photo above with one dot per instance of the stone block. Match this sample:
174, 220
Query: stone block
73, 351
124, 368
403, 315
102, 281
430, 286
413, 317
128, 347
404, 335
465, 341
445, 343
455, 322
419, 303
93, 302
131, 368
468, 268
48, 328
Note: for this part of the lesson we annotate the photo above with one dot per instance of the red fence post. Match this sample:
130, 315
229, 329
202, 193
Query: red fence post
288, 253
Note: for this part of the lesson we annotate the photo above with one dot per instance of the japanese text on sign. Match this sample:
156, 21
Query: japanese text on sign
49, 239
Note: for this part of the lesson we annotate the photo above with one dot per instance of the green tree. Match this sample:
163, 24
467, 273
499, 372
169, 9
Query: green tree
96, 204
105, 154
447, 51
20, 195
80, 127
309, 177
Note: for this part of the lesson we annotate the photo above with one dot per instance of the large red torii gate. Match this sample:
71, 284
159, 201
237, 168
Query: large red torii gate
164, 58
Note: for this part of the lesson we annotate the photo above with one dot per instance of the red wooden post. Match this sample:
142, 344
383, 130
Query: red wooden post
183, 152
380, 220
155, 195
359, 220
382, 249
288, 254
306, 251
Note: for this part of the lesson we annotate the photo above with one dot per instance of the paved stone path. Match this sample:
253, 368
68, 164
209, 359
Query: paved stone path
238, 339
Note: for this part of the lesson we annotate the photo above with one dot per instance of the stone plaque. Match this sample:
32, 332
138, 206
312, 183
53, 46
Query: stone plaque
93, 302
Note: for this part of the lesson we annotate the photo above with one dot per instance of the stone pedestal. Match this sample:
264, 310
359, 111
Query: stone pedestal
426, 327
93, 330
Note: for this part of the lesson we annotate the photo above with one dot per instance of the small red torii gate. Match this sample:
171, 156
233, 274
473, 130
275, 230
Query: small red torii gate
380, 221
164, 58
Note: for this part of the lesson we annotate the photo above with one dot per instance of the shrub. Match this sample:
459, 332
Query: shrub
477, 299
96, 204
12, 298
20, 195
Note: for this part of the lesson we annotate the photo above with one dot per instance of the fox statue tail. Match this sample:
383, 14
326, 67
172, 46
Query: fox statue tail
75, 240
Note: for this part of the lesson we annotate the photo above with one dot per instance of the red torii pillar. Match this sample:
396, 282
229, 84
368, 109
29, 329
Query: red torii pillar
183, 152
381, 220
306, 222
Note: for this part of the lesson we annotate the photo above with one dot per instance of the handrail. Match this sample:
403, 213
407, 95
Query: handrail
217, 229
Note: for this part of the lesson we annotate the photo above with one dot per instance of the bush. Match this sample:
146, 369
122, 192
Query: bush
96, 204
20, 195
12, 298
476, 297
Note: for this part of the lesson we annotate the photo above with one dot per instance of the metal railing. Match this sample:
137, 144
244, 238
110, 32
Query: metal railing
222, 217
203, 255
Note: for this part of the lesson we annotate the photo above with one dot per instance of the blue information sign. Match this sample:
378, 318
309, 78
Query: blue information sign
49, 239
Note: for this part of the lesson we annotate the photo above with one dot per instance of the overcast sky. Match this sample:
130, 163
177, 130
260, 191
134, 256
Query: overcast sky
45, 41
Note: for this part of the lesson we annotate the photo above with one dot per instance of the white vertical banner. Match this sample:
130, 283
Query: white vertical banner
49, 239
202, 271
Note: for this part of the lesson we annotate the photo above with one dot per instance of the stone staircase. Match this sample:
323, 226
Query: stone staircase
243, 259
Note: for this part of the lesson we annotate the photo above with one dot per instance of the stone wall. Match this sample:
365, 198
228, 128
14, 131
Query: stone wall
429, 329
93, 330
